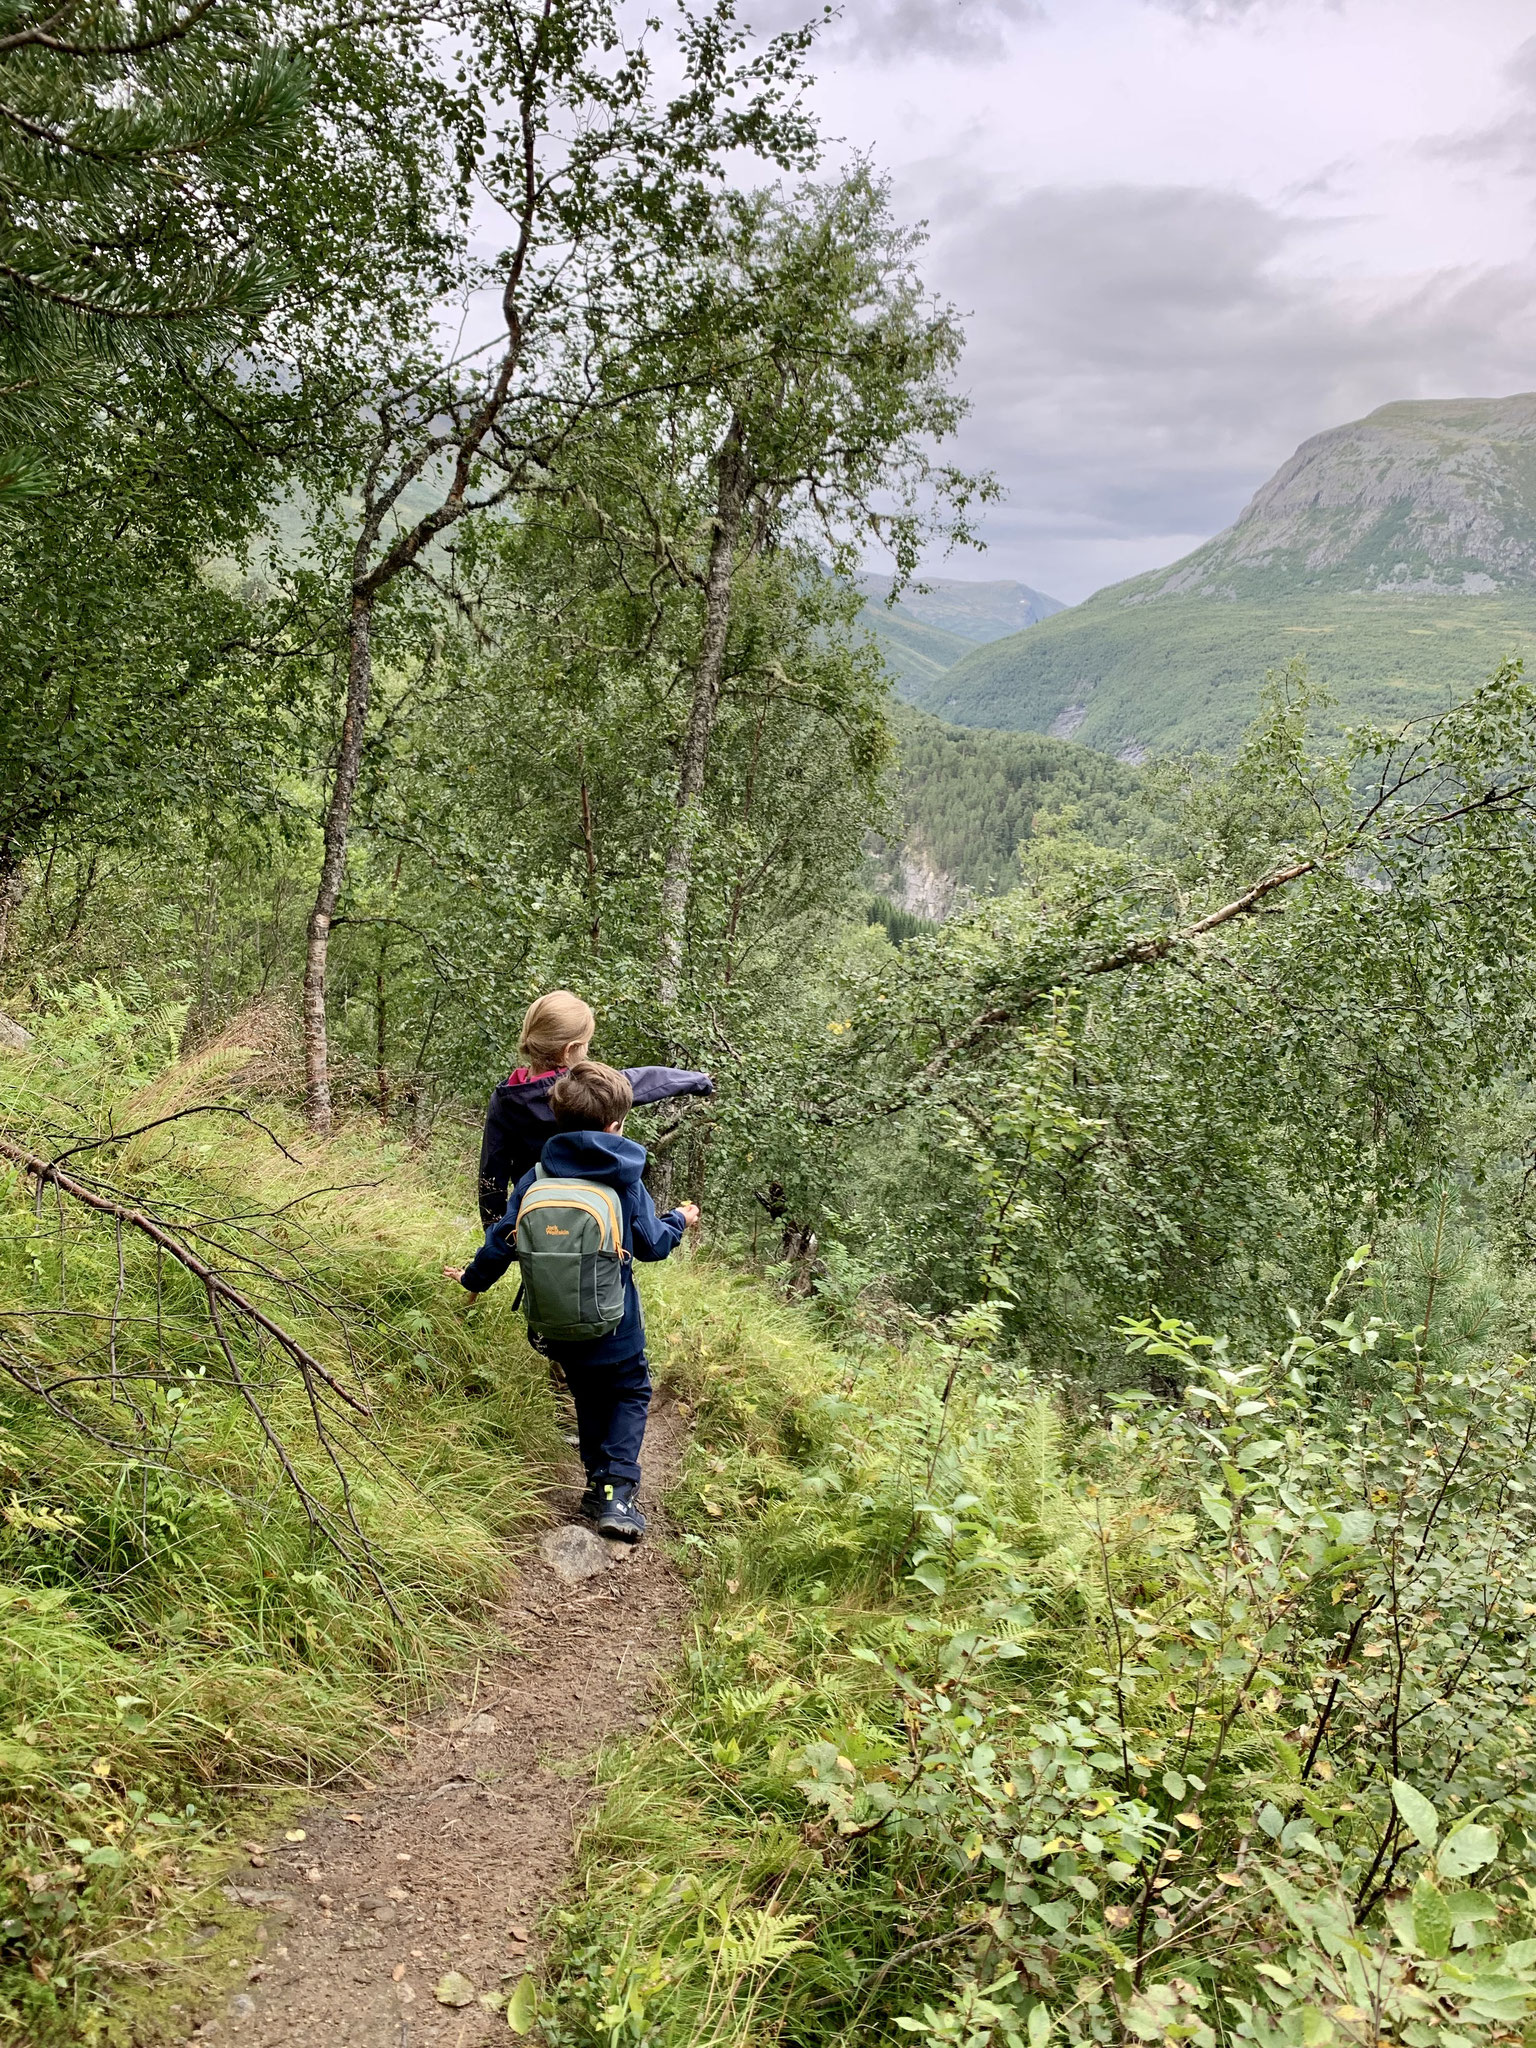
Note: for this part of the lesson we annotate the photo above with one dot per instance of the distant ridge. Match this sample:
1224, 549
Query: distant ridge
940, 619
1398, 553
1434, 497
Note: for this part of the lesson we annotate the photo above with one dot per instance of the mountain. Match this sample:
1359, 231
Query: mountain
929, 629
971, 611
1397, 553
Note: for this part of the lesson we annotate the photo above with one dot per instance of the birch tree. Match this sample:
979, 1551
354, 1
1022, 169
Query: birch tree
605, 185
818, 373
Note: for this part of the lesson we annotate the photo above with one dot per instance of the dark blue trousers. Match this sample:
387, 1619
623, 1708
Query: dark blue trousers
612, 1402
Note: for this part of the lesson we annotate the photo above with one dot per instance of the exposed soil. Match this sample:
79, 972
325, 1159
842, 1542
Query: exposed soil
447, 1863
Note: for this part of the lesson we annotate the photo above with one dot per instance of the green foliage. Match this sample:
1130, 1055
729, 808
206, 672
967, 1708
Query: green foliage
129, 143
1192, 1072
1004, 1730
968, 800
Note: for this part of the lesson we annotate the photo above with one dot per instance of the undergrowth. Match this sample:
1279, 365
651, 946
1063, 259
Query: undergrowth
180, 1627
1008, 1724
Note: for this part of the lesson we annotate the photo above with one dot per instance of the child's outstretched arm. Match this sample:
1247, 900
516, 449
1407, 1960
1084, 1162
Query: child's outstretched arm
497, 1253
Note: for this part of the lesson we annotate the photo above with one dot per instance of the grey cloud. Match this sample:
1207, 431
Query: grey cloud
1210, 10
1141, 358
888, 31
1214, 13
1508, 144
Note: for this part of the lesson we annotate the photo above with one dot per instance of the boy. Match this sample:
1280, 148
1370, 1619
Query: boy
608, 1376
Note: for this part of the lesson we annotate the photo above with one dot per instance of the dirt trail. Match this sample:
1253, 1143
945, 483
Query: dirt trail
446, 1863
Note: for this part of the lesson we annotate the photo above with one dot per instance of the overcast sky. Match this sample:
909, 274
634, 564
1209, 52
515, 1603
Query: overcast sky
1189, 233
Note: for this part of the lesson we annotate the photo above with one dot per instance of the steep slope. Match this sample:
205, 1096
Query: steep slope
1397, 553
968, 800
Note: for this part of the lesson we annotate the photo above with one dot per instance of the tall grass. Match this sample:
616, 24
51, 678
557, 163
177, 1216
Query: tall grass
177, 1627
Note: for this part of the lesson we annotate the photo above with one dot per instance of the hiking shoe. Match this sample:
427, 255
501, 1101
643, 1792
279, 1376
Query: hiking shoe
618, 1517
591, 1501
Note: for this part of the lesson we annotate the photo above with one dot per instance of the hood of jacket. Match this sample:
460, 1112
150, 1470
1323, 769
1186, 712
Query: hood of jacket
593, 1155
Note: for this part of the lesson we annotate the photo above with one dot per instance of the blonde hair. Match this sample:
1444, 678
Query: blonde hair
553, 1023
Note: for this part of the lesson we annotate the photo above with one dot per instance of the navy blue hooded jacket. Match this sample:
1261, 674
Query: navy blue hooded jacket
618, 1163
519, 1120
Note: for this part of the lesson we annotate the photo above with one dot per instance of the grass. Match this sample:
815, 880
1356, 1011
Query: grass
1184, 673
178, 1631
716, 1901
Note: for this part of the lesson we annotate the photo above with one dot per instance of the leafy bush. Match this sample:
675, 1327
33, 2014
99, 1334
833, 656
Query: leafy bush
1209, 1722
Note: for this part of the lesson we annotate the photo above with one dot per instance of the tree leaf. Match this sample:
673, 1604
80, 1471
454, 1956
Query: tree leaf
1432, 1926
1466, 1849
454, 1988
1418, 1814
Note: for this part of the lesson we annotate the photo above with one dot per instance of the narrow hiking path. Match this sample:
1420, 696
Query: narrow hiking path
446, 1863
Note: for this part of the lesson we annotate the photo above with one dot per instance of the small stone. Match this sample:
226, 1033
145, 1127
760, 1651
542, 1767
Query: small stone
242, 2006
385, 1916
575, 1553
479, 1724
12, 1037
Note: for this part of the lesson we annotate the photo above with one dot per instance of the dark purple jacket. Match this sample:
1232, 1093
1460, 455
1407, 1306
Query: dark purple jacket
519, 1120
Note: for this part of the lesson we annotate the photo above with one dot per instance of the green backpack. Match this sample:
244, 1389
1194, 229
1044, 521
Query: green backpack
570, 1252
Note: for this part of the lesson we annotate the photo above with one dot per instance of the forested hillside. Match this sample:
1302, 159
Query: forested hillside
968, 800
1089, 1587
940, 618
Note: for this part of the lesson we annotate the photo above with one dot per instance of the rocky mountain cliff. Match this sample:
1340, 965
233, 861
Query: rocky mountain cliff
1435, 497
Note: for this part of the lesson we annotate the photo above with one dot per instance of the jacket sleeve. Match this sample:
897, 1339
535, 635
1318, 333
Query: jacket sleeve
653, 1236
660, 1084
500, 1248
495, 1167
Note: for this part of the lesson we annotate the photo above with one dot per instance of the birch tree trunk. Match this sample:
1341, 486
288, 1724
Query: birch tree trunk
338, 822
709, 671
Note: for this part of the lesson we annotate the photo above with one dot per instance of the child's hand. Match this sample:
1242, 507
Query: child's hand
457, 1273
689, 1211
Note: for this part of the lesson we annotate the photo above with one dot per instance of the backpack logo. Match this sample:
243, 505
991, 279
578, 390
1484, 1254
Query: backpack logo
554, 1230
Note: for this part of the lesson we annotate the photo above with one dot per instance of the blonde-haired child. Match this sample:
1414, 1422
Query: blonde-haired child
558, 1028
